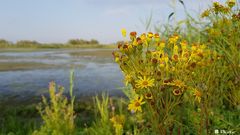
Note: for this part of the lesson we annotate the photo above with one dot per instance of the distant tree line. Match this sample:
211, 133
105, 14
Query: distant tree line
82, 42
31, 44
4, 43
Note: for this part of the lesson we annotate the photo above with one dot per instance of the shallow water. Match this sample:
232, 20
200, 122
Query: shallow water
93, 74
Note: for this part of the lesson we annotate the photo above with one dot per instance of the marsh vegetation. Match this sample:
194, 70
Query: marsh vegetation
182, 79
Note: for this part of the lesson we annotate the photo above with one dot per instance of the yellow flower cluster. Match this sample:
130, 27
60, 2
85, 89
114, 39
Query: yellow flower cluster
148, 61
118, 122
218, 8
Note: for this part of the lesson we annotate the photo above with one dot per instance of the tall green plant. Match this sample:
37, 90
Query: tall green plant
102, 126
58, 114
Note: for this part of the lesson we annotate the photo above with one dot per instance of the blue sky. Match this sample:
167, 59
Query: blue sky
60, 20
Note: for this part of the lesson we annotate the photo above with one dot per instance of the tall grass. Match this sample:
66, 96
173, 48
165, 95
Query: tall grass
14, 120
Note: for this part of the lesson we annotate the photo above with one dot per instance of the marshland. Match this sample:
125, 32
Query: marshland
174, 76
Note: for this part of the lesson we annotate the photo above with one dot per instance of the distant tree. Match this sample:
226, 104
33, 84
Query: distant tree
82, 42
94, 41
27, 43
73, 41
4, 43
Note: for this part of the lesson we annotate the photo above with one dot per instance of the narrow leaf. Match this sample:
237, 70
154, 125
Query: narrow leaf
170, 15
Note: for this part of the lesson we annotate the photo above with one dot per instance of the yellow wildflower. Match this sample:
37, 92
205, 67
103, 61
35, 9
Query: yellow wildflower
119, 119
117, 59
133, 34
183, 45
205, 13
231, 3
203, 46
124, 32
118, 122
143, 37
197, 95
162, 44
154, 60
166, 59
118, 129
175, 57
139, 41
156, 54
175, 49
134, 43
177, 92
124, 58
177, 83
135, 105
52, 86
162, 64
148, 96
128, 78
173, 39
146, 72
217, 7
150, 35
144, 82
127, 47
194, 48
157, 37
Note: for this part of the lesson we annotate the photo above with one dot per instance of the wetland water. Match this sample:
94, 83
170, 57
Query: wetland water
24, 75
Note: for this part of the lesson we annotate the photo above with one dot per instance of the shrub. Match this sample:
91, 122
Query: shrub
58, 115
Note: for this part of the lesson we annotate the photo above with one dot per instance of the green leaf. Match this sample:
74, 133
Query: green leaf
181, 1
170, 15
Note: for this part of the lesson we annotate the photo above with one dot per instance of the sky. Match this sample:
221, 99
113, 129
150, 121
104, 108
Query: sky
57, 21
